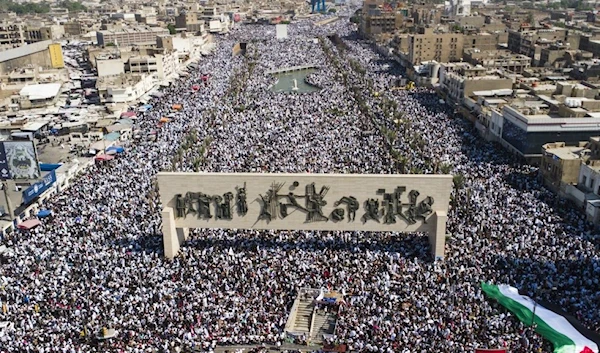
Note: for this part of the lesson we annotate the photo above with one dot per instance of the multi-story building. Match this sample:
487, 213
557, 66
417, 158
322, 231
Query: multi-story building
460, 80
455, 8
130, 36
531, 42
560, 163
482, 41
73, 28
528, 123
186, 46
378, 17
557, 56
162, 66
188, 21
591, 44
381, 23
12, 35
587, 191
16, 35
497, 59
424, 15
587, 70
428, 45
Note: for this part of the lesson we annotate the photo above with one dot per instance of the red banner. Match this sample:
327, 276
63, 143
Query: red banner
498, 350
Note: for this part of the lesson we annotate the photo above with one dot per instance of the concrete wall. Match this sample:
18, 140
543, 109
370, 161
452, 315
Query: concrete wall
110, 67
39, 59
362, 187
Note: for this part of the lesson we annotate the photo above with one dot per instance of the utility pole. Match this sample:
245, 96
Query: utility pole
7, 198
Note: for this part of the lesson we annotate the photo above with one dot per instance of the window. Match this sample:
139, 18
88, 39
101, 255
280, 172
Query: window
584, 180
474, 41
592, 184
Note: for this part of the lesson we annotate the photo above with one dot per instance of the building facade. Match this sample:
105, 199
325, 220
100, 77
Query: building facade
497, 59
44, 54
428, 45
162, 66
559, 165
130, 36
188, 21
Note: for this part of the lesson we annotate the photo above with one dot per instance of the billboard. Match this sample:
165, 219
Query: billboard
4, 171
21, 160
38, 188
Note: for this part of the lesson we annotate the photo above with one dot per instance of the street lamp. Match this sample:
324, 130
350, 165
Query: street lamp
533, 316
535, 303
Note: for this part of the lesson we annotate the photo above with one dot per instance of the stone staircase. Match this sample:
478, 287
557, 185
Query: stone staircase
323, 324
304, 314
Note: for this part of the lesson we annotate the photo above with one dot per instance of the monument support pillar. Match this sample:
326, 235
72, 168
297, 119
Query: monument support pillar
183, 234
170, 236
437, 239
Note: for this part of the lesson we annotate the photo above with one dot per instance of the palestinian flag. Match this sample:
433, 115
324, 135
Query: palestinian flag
563, 331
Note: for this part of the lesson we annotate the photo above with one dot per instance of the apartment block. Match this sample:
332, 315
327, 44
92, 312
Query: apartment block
428, 45
460, 80
378, 18
531, 42
161, 65
11, 35
130, 36
188, 21
497, 59
482, 41
560, 163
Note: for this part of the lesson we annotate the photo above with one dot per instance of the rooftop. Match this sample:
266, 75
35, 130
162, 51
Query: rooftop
134, 30
24, 50
564, 152
41, 91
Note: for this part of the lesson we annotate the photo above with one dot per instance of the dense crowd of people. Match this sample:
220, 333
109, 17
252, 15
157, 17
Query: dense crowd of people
98, 261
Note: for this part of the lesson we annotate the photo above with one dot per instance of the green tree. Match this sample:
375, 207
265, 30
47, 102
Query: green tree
171, 28
459, 181
530, 18
26, 8
72, 6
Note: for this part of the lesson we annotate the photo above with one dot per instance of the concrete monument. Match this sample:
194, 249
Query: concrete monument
335, 202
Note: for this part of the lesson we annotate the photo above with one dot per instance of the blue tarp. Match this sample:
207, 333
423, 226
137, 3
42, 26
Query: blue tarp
44, 213
46, 167
117, 149
113, 136
147, 106
124, 121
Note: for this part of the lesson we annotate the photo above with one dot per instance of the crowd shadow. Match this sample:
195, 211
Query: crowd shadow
408, 245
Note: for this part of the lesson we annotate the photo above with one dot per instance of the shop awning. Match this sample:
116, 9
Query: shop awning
104, 157
29, 224
113, 136
117, 149
44, 213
